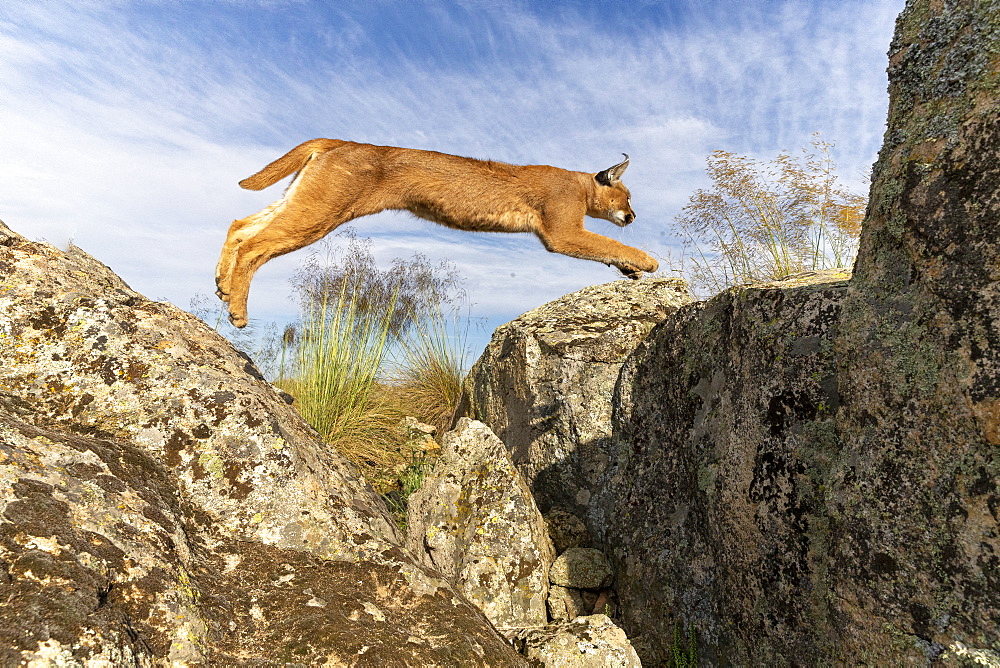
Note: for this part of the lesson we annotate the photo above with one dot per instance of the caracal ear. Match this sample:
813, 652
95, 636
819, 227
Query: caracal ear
612, 174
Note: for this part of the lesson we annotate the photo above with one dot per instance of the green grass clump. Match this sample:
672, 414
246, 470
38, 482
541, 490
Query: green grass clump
428, 379
683, 655
372, 347
338, 359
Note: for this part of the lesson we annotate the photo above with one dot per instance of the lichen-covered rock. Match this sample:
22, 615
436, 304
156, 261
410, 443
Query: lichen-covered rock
712, 509
566, 530
474, 520
545, 381
80, 348
565, 603
586, 642
915, 539
582, 568
160, 503
812, 475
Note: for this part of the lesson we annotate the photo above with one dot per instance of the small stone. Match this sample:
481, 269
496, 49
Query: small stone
565, 603
416, 427
582, 568
566, 530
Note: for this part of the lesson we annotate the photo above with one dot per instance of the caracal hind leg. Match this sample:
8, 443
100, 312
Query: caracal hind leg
227, 257
250, 257
288, 230
239, 231
586, 245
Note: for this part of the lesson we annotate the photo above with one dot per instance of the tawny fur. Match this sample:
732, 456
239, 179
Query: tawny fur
339, 181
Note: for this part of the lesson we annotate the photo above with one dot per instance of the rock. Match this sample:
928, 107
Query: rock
604, 601
416, 428
566, 530
161, 503
566, 603
712, 510
648, 653
811, 475
914, 535
585, 642
582, 568
545, 381
474, 520
420, 437
971, 656
85, 351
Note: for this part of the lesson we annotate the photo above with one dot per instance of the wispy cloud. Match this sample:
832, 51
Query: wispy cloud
127, 126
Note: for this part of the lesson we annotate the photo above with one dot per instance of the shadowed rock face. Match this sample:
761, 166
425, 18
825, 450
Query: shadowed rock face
160, 501
544, 383
809, 485
711, 511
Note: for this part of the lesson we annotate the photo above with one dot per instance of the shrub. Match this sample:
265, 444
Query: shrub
371, 347
428, 377
764, 221
338, 357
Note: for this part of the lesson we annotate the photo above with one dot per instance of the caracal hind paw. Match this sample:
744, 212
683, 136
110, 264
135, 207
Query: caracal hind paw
238, 321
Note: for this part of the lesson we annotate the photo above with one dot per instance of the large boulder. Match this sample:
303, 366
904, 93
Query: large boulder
160, 502
474, 520
712, 512
582, 568
812, 476
915, 540
545, 381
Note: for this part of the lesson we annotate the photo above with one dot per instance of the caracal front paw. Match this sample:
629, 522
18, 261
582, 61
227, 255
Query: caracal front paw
634, 271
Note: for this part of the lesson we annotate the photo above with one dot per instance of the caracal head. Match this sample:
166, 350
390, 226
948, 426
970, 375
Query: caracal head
613, 201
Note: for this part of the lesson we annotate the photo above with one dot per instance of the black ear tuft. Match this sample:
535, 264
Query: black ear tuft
612, 174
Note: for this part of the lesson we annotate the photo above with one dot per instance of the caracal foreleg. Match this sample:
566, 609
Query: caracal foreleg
574, 240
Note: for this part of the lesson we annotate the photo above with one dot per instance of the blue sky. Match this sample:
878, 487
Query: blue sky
125, 126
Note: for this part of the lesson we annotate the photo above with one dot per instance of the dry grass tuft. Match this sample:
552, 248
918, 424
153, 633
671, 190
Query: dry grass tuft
346, 383
762, 221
